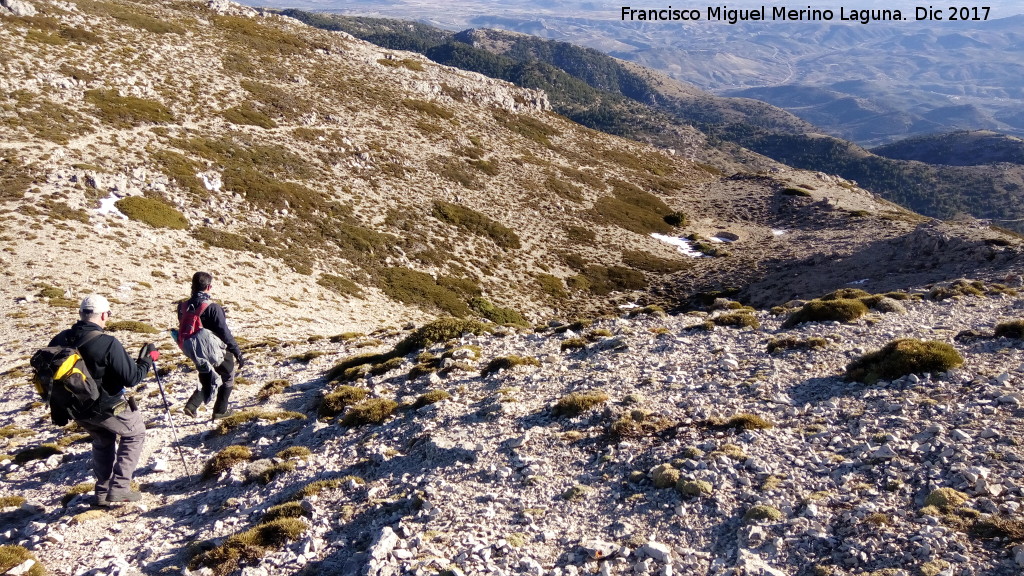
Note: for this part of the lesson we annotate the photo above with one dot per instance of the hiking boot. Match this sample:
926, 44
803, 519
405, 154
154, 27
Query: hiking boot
222, 415
127, 497
189, 411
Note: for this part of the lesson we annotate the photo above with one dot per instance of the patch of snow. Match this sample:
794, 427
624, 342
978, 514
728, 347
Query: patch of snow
211, 180
857, 282
685, 246
107, 206
776, 232
629, 306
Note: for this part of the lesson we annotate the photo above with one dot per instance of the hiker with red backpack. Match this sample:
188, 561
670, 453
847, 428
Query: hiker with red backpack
94, 397
204, 336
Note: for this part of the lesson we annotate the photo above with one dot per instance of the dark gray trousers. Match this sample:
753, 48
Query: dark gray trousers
226, 372
116, 449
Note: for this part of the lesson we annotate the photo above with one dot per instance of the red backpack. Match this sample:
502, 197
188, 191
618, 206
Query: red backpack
190, 322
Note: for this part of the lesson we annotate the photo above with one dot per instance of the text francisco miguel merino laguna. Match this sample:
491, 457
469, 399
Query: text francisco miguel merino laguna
807, 14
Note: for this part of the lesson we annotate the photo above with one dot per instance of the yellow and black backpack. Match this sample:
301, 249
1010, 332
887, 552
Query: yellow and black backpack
64, 382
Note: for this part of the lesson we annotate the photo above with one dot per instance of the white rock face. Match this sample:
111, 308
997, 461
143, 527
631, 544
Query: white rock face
19, 7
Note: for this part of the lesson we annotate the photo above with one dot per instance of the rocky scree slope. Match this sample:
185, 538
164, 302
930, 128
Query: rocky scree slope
627, 445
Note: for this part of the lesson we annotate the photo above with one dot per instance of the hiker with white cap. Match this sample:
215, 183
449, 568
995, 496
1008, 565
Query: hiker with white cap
115, 425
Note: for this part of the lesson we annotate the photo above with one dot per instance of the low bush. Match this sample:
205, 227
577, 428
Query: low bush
250, 545
1012, 329
12, 556
578, 402
247, 115
695, 488
432, 397
839, 310
286, 510
225, 459
790, 343
901, 357
421, 289
131, 326
335, 401
498, 315
506, 363
737, 320
762, 512
156, 213
272, 388
372, 411
742, 422
227, 424
575, 343
127, 111
340, 285
475, 223
639, 423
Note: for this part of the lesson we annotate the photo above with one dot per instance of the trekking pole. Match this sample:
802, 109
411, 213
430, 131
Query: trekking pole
174, 430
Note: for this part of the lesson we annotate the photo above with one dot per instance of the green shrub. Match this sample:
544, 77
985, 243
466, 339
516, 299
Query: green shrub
11, 556
846, 294
792, 191
840, 310
294, 452
677, 219
789, 343
335, 401
639, 423
633, 209
506, 363
316, 487
127, 111
420, 289
286, 510
695, 488
576, 493
340, 285
573, 344
247, 115
372, 411
743, 422
156, 213
227, 424
578, 402
267, 475
946, 499
272, 388
651, 263
40, 452
960, 287
131, 326
552, 286
12, 501
225, 459
901, 357
250, 545
497, 315
306, 357
432, 397
1012, 329
475, 223
737, 320
762, 512
428, 108
602, 280
664, 476
439, 330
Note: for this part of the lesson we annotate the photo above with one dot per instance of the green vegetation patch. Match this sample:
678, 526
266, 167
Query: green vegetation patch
131, 326
372, 411
40, 452
635, 210
247, 115
742, 422
250, 546
791, 343
651, 263
552, 286
337, 400
127, 111
15, 179
237, 419
225, 459
340, 285
475, 223
496, 314
11, 556
1011, 329
432, 397
737, 320
578, 402
839, 310
901, 357
762, 512
156, 213
286, 510
603, 280
508, 362
421, 289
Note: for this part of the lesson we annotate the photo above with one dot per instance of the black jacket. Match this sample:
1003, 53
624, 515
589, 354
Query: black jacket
107, 360
215, 320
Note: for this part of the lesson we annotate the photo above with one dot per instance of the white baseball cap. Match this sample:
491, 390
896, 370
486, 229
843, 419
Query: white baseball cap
94, 304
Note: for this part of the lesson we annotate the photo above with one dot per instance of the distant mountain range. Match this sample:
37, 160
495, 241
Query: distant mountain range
624, 99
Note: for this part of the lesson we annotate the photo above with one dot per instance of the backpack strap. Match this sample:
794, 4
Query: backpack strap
88, 337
